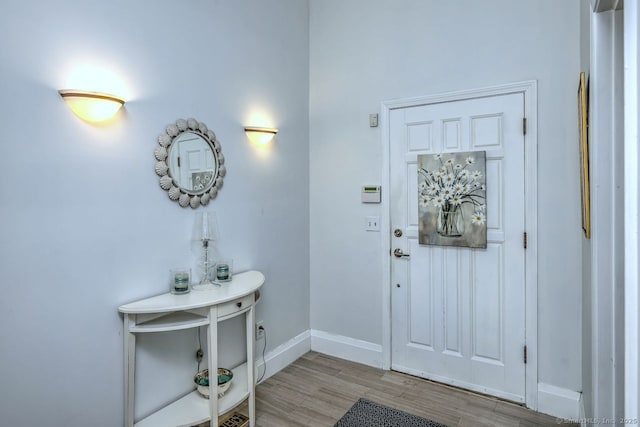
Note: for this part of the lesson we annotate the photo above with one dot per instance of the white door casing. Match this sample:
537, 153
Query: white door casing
459, 315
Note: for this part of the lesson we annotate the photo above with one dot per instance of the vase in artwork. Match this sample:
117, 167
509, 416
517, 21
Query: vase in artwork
449, 223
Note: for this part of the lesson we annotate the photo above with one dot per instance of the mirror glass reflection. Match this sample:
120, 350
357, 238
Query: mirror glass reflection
191, 162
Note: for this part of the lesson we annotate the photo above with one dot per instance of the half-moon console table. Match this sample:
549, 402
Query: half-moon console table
168, 312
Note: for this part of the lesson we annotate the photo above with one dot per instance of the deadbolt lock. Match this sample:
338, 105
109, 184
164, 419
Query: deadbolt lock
397, 232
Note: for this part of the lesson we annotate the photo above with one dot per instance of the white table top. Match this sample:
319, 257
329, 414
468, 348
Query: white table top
241, 284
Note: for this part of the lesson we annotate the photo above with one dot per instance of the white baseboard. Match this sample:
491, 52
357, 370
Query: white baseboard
559, 402
347, 348
334, 345
283, 355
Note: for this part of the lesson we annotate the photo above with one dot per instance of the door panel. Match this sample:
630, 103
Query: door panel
458, 314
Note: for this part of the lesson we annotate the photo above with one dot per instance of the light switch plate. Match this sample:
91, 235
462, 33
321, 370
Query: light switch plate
372, 223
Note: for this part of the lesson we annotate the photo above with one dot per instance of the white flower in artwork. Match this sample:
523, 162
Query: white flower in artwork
422, 186
459, 188
432, 189
456, 199
449, 179
478, 218
458, 166
470, 160
464, 174
438, 156
424, 201
476, 174
438, 201
447, 192
449, 162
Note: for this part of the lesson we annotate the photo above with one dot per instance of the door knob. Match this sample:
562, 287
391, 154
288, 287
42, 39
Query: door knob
397, 252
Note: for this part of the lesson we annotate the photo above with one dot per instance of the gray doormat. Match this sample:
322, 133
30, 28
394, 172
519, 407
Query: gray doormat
365, 413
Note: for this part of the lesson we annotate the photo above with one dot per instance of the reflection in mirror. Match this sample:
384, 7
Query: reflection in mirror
190, 163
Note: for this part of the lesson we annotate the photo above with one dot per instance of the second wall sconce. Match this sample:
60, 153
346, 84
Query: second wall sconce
260, 135
93, 107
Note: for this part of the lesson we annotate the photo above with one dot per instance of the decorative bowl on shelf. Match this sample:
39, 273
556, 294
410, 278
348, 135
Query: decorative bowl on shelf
202, 381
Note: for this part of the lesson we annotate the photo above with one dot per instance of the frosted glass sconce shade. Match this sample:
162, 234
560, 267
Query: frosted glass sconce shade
93, 107
260, 135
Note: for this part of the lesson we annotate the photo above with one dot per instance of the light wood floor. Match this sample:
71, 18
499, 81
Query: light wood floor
316, 390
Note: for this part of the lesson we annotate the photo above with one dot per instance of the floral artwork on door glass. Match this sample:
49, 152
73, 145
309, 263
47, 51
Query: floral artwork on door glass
452, 199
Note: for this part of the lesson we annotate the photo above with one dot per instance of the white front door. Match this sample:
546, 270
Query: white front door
458, 314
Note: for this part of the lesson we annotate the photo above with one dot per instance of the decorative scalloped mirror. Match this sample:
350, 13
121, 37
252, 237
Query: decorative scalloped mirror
189, 163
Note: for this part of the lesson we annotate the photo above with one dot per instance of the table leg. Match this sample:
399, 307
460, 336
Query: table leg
129, 370
212, 360
251, 365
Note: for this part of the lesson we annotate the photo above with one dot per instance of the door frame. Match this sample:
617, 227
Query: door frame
530, 90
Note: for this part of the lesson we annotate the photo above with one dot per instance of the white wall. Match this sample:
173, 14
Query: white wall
84, 225
363, 53
632, 210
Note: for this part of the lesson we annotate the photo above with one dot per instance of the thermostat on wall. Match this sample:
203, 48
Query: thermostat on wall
371, 194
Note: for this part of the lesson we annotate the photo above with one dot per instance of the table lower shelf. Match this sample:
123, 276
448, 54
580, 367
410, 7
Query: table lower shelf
193, 409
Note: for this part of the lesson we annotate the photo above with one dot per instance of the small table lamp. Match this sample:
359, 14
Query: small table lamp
205, 231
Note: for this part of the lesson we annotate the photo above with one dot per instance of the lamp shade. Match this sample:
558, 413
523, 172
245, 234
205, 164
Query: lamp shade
93, 107
260, 135
205, 226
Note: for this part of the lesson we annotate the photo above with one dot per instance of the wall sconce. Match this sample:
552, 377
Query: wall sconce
259, 135
93, 107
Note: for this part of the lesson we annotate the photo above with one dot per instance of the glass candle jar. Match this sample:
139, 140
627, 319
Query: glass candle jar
224, 270
180, 280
